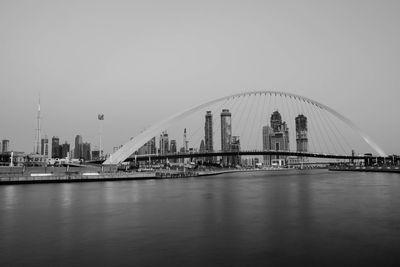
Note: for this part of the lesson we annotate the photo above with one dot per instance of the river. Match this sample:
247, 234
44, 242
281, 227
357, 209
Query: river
271, 218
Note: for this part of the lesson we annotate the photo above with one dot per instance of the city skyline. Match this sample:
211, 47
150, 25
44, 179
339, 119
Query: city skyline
277, 126
342, 54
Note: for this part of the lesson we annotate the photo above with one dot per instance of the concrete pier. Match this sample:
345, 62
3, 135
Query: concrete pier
68, 178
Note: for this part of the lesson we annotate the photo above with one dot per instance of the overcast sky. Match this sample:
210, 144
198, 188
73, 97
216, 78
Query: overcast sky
141, 61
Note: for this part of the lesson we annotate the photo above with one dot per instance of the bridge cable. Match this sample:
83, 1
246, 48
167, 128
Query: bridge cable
320, 130
247, 120
257, 113
291, 124
313, 125
239, 121
339, 132
262, 114
319, 111
253, 114
292, 116
321, 139
323, 125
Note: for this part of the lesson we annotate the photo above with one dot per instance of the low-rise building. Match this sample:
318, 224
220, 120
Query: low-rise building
18, 158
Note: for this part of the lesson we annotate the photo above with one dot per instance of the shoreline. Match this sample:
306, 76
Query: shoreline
75, 178
40, 178
365, 169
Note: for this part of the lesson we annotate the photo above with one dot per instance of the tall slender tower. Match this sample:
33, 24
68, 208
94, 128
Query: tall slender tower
208, 132
208, 135
38, 130
78, 147
226, 134
100, 117
301, 133
185, 141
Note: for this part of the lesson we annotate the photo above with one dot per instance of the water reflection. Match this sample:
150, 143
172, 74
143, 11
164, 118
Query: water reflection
315, 218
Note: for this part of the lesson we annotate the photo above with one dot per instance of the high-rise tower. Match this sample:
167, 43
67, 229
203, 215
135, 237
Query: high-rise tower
301, 133
226, 134
164, 143
55, 147
78, 150
185, 141
208, 132
5, 145
275, 137
44, 149
276, 121
208, 135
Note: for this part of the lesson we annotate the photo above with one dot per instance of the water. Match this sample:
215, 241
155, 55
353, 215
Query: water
284, 218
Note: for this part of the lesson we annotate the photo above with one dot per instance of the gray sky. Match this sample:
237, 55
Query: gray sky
140, 61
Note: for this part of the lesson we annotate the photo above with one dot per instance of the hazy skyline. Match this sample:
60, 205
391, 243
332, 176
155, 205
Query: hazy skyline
139, 62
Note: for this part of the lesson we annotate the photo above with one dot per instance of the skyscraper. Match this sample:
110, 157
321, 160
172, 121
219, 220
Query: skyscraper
44, 149
5, 145
185, 141
173, 149
276, 121
275, 137
226, 134
78, 147
65, 150
266, 133
152, 146
208, 135
164, 143
208, 132
301, 133
55, 147
86, 152
235, 146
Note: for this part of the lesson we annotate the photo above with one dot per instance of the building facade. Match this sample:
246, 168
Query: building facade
164, 143
275, 137
44, 148
301, 133
55, 147
226, 134
235, 146
65, 150
5, 145
86, 151
208, 135
78, 150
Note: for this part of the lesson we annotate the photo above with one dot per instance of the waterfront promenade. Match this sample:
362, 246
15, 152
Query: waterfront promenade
92, 174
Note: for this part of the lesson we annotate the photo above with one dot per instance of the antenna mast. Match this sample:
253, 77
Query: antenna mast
38, 130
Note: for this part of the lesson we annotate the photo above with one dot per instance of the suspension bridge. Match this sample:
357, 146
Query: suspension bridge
271, 125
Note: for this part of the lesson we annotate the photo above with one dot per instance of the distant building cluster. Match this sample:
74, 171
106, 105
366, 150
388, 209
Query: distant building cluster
45, 153
48, 153
229, 142
275, 137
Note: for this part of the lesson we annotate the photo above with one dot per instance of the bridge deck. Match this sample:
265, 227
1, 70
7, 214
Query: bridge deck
243, 153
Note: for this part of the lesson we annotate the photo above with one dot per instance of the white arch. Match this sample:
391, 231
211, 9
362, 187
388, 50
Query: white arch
133, 145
